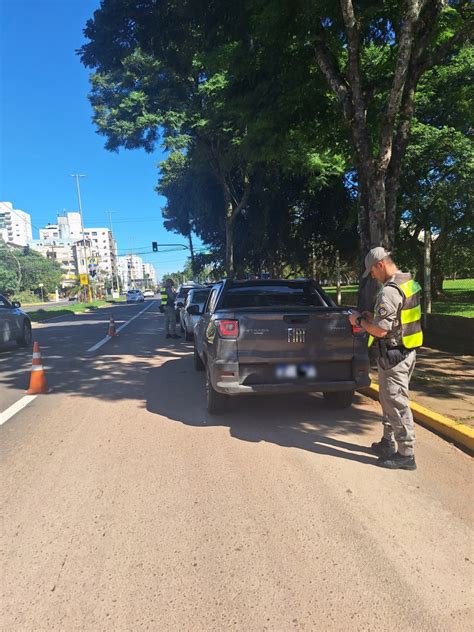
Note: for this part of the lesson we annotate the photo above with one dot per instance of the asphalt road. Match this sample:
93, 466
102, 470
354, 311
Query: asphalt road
127, 507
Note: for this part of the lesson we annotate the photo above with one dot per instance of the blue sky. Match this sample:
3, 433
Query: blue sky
47, 133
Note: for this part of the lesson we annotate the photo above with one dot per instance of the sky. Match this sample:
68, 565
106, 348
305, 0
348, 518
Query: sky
46, 134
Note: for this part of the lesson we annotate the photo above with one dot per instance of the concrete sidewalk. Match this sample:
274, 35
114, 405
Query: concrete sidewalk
444, 383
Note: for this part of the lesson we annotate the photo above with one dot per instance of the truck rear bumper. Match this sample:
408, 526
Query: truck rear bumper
234, 388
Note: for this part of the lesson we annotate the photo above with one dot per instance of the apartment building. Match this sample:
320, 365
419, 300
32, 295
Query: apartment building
130, 269
68, 226
149, 275
104, 248
15, 225
64, 252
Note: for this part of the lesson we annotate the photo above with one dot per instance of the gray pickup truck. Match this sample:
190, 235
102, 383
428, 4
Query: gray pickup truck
278, 337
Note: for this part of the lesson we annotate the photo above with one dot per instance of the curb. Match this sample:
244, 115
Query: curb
458, 432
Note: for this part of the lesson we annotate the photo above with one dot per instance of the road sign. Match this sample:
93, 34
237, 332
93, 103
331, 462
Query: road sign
84, 279
93, 261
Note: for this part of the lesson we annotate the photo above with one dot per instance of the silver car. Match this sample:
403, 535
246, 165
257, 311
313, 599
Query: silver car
196, 300
14, 323
135, 296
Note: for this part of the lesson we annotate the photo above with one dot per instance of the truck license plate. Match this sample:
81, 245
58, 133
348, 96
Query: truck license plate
294, 371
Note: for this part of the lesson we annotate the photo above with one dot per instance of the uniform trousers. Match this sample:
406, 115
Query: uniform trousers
170, 320
397, 420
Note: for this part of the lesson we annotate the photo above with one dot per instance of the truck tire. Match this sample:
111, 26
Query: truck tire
26, 337
216, 402
198, 363
339, 399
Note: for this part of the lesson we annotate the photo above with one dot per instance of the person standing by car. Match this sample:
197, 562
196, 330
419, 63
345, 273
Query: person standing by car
169, 310
396, 329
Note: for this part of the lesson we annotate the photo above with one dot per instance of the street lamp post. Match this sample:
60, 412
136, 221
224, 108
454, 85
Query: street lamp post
77, 176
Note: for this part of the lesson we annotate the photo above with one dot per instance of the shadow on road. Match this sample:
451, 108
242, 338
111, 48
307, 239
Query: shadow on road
128, 369
300, 421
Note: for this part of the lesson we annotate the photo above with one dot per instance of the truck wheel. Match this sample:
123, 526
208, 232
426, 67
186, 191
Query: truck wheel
26, 337
216, 402
198, 363
339, 399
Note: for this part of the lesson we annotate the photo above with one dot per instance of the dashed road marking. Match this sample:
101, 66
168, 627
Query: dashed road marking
107, 338
16, 407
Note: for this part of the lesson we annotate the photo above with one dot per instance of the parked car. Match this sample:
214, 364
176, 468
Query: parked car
278, 336
196, 300
135, 296
148, 294
14, 323
182, 295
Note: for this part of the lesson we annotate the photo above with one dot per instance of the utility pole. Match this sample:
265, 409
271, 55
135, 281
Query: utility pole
77, 176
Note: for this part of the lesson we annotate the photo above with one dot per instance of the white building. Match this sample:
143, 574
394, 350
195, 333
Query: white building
68, 226
64, 252
15, 225
149, 275
104, 248
130, 269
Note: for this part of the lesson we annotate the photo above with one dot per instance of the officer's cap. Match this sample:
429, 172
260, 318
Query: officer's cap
374, 256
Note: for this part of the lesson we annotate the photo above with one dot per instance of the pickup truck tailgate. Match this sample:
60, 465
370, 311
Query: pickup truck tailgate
322, 337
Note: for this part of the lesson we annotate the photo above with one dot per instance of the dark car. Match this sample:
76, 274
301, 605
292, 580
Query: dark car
14, 323
278, 336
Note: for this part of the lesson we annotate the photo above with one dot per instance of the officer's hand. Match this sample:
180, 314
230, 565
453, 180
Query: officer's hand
353, 317
368, 316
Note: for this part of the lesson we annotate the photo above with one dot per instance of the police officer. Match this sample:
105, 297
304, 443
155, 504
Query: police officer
395, 327
168, 297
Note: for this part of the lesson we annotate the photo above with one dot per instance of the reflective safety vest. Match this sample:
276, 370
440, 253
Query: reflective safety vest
165, 300
412, 334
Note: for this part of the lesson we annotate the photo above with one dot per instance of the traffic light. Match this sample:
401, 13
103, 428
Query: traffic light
154, 245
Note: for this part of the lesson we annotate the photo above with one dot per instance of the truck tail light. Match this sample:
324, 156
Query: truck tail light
228, 328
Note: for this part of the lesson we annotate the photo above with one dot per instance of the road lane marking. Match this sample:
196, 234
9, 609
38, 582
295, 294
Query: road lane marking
107, 338
16, 407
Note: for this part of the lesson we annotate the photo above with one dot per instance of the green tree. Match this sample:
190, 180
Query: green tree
10, 270
37, 269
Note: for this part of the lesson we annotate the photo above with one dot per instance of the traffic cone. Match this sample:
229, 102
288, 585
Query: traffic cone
112, 330
38, 382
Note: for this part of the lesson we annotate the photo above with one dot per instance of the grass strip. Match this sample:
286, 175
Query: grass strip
74, 308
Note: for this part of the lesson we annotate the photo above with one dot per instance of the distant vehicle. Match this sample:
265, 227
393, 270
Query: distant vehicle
197, 298
135, 296
278, 336
148, 294
14, 323
72, 299
182, 294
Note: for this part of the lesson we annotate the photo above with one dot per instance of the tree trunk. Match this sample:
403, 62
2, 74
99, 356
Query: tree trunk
191, 249
229, 243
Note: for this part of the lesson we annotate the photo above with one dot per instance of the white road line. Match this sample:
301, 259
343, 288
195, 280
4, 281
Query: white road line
107, 338
16, 407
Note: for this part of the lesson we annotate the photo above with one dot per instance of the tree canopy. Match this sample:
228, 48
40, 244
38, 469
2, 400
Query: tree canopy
289, 127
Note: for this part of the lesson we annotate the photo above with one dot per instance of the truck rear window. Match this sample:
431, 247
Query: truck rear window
291, 295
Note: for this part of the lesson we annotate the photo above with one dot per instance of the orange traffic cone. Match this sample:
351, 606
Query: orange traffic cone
112, 330
38, 382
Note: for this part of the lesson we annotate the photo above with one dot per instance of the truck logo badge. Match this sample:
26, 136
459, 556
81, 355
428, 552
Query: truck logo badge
296, 334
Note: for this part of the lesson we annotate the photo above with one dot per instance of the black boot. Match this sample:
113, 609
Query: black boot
384, 448
398, 462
